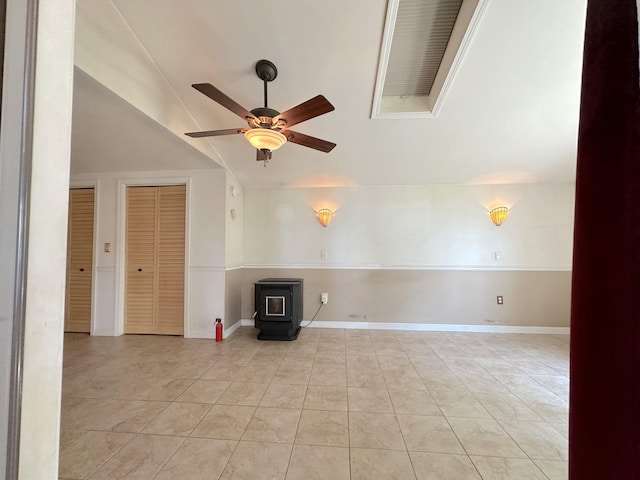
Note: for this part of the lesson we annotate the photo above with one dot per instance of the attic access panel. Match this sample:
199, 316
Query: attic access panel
423, 44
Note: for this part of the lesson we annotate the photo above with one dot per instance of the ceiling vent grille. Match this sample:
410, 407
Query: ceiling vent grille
414, 62
423, 43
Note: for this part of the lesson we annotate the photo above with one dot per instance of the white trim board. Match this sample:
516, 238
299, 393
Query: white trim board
427, 327
485, 268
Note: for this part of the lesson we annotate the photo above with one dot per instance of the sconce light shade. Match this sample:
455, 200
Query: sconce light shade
265, 139
324, 216
498, 215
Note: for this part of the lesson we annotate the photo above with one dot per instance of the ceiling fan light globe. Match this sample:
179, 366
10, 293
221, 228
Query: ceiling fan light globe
265, 139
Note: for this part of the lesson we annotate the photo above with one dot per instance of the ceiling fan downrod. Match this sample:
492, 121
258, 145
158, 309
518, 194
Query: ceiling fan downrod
267, 72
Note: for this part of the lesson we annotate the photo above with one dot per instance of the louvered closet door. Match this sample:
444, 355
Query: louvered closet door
140, 296
79, 260
155, 260
171, 240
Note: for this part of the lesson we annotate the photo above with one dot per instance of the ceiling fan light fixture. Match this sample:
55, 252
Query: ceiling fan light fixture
265, 139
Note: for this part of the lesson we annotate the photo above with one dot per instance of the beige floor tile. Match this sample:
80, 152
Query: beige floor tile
183, 369
318, 463
456, 404
240, 393
226, 372
321, 397
141, 459
375, 400
124, 415
224, 422
85, 454
429, 434
375, 430
370, 464
539, 440
554, 469
498, 468
413, 402
198, 459
274, 425
280, 395
130, 381
442, 466
254, 373
393, 360
268, 358
481, 383
506, 406
152, 388
334, 376
204, 391
87, 386
292, 374
484, 437
298, 360
317, 427
255, 460
330, 358
178, 419
561, 428
403, 378
441, 378
363, 361
68, 436
79, 413
367, 378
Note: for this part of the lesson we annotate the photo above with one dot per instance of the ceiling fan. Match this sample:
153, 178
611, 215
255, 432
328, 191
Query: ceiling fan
269, 129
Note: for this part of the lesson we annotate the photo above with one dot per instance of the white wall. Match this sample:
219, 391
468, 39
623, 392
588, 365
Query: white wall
234, 226
205, 282
444, 227
120, 62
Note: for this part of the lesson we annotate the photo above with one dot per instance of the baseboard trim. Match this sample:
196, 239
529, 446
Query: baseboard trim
232, 328
103, 333
430, 327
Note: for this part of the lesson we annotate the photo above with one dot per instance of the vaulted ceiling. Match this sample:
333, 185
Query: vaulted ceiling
509, 116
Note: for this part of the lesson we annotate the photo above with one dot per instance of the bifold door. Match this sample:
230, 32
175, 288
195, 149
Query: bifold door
155, 260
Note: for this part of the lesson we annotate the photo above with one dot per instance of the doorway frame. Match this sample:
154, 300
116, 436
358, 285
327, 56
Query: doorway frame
121, 233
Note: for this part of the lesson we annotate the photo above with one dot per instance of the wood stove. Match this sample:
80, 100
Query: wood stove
278, 304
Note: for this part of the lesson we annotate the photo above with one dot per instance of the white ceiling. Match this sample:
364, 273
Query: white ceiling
510, 116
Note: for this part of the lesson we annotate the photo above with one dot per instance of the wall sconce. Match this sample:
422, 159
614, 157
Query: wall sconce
324, 216
498, 215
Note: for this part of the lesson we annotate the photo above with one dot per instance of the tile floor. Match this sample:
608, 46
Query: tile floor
334, 404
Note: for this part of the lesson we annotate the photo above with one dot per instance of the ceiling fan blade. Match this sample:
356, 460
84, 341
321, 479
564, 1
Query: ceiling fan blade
217, 96
263, 156
308, 141
311, 108
216, 133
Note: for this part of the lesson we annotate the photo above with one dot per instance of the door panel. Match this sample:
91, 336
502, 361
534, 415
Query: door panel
171, 241
79, 260
140, 260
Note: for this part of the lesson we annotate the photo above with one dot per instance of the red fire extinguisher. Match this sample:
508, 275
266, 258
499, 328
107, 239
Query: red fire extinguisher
218, 330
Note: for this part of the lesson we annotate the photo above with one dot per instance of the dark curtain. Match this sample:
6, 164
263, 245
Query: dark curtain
604, 414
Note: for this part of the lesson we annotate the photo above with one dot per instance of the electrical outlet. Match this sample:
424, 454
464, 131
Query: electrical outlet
499, 300
324, 298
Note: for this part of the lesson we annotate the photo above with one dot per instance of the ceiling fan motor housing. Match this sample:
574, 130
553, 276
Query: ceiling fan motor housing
265, 115
266, 70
